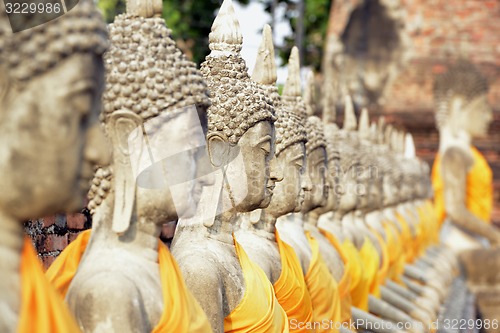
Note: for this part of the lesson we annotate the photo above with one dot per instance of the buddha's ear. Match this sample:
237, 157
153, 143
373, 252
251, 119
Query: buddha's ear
125, 129
5, 85
218, 149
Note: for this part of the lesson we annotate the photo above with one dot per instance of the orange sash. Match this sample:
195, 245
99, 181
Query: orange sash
371, 263
259, 310
42, 309
479, 188
323, 290
290, 288
360, 284
181, 313
344, 283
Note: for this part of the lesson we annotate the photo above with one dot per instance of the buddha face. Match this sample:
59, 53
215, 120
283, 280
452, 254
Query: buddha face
51, 138
172, 166
248, 179
375, 193
316, 168
475, 117
363, 187
390, 191
333, 179
347, 189
289, 193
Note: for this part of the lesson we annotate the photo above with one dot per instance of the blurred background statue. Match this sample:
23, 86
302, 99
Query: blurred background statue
461, 176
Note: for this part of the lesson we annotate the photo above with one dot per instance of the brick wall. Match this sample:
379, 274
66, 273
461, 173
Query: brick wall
51, 235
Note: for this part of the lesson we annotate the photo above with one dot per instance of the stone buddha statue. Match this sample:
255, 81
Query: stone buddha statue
367, 222
316, 253
344, 169
234, 291
461, 176
257, 233
155, 115
51, 86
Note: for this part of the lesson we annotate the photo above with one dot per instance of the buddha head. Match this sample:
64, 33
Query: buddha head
51, 83
316, 165
155, 114
290, 154
333, 170
461, 100
240, 138
347, 141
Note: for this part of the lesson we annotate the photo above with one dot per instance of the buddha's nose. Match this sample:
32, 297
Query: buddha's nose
97, 146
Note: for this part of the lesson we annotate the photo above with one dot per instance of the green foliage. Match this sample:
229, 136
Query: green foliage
191, 20
111, 8
316, 15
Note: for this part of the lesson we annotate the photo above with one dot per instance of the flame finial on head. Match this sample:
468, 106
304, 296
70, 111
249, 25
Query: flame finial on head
226, 33
310, 94
350, 123
292, 86
364, 125
410, 151
374, 135
265, 66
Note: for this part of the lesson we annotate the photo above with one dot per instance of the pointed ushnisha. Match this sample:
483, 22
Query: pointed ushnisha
225, 34
144, 8
350, 123
374, 134
265, 66
410, 151
310, 94
238, 103
292, 86
364, 125
289, 125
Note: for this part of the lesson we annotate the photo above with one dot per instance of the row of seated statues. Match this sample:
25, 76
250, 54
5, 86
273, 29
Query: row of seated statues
284, 223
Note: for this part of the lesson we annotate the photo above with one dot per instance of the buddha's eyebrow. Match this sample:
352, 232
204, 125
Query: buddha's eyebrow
322, 160
264, 139
299, 157
81, 85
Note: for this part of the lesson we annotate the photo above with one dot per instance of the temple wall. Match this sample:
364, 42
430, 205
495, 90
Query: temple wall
51, 235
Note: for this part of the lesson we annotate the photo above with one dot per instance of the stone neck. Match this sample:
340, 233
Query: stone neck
140, 239
265, 226
223, 227
219, 228
311, 219
11, 247
453, 138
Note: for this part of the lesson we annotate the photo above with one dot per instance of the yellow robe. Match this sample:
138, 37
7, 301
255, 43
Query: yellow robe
345, 282
258, 310
42, 309
406, 239
360, 283
181, 313
323, 290
371, 263
291, 289
479, 188
394, 250
383, 269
